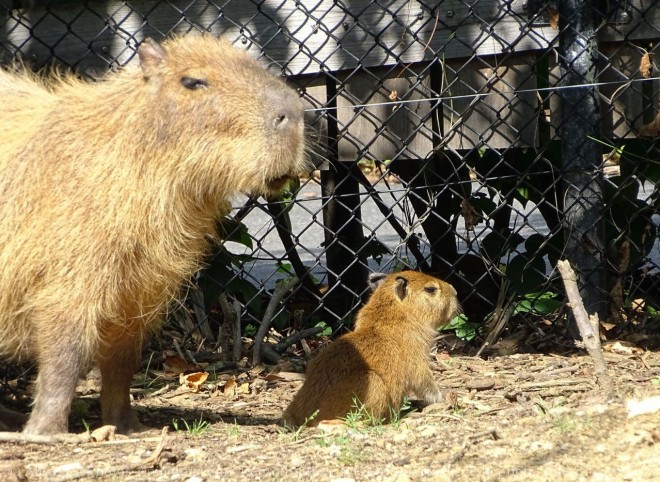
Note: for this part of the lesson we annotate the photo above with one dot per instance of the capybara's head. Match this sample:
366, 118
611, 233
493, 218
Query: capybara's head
218, 103
423, 298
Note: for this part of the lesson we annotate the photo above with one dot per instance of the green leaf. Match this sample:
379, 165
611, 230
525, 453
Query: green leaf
285, 268
538, 304
522, 194
462, 328
231, 230
327, 330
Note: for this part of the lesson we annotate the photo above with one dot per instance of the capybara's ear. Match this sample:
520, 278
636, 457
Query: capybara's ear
375, 279
401, 287
151, 56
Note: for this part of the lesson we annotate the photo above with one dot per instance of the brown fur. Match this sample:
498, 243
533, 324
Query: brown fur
385, 358
108, 191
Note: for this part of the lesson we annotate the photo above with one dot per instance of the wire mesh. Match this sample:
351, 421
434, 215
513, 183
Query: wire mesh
440, 140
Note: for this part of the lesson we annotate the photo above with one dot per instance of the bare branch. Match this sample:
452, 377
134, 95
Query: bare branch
278, 294
587, 324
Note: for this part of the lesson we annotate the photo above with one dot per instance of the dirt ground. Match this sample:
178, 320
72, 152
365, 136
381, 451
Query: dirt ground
518, 418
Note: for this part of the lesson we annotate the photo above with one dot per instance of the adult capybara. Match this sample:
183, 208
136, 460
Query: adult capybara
108, 192
384, 358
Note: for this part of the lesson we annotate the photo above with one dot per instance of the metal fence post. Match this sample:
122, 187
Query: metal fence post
347, 275
581, 155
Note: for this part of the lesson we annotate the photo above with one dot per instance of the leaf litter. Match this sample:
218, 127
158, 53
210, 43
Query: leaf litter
518, 417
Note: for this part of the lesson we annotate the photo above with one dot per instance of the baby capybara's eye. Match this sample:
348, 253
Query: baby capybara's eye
430, 289
194, 84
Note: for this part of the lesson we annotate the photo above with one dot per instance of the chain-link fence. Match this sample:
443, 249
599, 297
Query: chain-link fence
479, 141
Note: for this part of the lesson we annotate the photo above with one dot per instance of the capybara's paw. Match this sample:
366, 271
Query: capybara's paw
129, 425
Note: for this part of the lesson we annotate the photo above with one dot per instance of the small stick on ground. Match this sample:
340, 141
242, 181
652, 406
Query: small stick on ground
278, 294
471, 440
587, 324
17, 437
145, 464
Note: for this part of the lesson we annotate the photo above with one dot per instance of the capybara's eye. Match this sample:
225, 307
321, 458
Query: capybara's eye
194, 84
430, 289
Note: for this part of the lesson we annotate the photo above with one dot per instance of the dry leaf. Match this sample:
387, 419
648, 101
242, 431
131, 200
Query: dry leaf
470, 215
607, 326
621, 349
553, 18
451, 398
638, 305
270, 377
194, 380
103, 434
174, 364
652, 129
257, 386
292, 376
332, 426
231, 388
646, 66
394, 96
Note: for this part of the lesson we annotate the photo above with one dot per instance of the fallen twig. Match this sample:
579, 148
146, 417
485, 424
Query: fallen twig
147, 463
124, 441
296, 337
159, 392
553, 383
588, 325
18, 437
471, 440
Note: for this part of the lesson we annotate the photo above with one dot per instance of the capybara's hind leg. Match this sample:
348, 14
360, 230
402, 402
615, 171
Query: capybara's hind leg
60, 359
118, 361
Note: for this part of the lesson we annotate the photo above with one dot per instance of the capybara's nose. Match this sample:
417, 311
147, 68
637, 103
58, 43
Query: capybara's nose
288, 110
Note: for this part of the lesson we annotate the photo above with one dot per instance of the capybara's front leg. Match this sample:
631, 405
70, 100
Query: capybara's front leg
60, 358
427, 389
118, 361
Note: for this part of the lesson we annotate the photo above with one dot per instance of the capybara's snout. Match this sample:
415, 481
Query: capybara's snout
286, 116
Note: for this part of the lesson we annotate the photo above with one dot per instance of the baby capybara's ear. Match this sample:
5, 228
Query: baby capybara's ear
375, 279
401, 287
151, 55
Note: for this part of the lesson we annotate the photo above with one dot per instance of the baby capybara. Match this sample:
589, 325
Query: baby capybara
385, 357
108, 194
